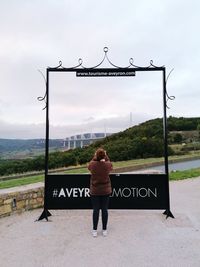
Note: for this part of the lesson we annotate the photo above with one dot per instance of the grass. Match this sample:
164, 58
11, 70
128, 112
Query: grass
21, 181
178, 175
78, 171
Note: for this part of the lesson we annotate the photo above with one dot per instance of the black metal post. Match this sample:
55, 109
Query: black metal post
165, 124
45, 212
165, 133
47, 126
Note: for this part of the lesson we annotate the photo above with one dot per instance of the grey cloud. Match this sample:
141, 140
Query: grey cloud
27, 131
37, 34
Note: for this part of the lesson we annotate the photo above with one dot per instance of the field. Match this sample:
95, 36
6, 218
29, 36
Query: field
178, 175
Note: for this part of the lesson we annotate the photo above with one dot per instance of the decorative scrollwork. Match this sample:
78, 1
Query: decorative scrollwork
167, 96
40, 98
60, 66
154, 66
80, 61
105, 58
43, 98
105, 49
151, 65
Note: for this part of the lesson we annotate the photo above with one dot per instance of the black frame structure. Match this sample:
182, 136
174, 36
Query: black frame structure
97, 71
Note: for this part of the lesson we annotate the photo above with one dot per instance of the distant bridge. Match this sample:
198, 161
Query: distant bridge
81, 140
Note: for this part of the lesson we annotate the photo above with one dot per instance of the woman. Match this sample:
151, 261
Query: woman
100, 188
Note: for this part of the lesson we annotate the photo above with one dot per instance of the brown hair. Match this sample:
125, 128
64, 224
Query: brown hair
100, 154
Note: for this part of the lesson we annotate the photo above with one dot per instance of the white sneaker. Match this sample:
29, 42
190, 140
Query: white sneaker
104, 232
94, 233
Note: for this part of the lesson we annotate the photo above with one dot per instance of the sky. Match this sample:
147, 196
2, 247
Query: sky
37, 34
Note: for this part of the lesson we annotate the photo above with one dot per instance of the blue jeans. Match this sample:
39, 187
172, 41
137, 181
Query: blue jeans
100, 202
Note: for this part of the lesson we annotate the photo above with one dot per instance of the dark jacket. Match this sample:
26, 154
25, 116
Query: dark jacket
100, 181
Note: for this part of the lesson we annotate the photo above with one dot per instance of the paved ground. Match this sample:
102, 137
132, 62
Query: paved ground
136, 238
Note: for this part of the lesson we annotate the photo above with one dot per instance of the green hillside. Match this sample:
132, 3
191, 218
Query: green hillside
142, 141
23, 148
146, 139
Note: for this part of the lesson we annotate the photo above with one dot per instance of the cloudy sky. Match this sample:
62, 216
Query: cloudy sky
36, 34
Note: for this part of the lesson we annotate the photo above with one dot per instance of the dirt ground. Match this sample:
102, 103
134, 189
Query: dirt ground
135, 238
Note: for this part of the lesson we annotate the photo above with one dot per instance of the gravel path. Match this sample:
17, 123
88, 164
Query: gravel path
136, 238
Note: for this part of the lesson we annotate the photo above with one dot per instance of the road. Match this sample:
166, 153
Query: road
135, 238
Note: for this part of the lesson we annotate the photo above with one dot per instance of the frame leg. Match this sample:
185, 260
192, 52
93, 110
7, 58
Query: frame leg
168, 214
45, 214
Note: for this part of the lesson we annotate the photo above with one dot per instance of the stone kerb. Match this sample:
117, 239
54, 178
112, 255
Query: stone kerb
21, 198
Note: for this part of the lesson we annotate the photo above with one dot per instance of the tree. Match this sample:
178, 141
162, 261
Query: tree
198, 129
178, 138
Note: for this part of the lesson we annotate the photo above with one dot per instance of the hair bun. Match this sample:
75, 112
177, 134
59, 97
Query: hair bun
100, 154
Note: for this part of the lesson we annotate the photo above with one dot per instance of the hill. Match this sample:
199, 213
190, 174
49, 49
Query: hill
24, 148
146, 139
140, 141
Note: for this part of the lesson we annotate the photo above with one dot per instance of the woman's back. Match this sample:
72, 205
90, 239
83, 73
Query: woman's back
100, 188
100, 183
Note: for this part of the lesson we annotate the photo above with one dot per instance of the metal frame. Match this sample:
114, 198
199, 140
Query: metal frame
131, 67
